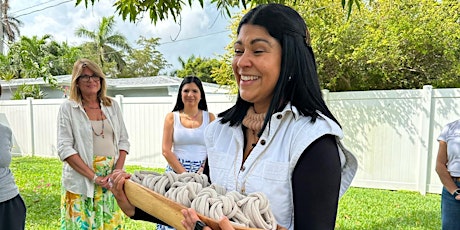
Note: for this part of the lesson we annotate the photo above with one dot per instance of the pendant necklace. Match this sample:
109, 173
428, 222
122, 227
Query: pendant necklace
191, 118
102, 124
102, 130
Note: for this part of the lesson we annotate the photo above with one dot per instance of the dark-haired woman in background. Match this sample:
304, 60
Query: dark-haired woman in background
183, 133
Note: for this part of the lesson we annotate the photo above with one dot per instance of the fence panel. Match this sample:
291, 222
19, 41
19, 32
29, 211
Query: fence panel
381, 128
17, 116
144, 120
44, 126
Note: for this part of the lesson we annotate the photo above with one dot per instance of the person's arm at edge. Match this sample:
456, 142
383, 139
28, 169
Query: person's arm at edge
316, 185
441, 168
167, 143
121, 159
123, 143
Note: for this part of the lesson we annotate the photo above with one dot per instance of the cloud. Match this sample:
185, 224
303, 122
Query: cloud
199, 32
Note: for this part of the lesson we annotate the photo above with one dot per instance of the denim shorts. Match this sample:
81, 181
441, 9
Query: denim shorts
450, 210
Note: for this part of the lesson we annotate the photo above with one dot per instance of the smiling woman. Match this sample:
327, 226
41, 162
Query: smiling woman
92, 142
298, 160
183, 132
256, 65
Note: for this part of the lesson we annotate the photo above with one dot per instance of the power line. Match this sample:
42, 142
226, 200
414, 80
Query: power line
191, 38
34, 11
67, 1
33, 6
60, 3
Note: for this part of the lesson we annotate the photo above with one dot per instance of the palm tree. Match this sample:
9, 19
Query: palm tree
10, 25
102, 41
29, 58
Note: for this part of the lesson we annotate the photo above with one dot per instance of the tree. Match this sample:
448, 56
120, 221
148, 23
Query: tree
396, 44
223, 74
102, 41
10, 25
25, 91
5, 73
38, 58
28, 58
198, 66
63, 57
146, 61
161, 10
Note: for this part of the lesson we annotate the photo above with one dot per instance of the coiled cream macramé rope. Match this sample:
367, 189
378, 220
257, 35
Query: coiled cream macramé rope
193, 190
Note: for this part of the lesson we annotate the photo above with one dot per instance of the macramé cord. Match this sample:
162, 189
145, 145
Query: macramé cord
211, 200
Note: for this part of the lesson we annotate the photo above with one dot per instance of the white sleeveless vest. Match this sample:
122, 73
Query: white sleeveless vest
269, 167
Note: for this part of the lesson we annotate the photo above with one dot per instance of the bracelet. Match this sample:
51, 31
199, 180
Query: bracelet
199, 225
94, 178
456, 192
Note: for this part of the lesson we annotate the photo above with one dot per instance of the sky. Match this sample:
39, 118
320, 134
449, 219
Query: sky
203, 31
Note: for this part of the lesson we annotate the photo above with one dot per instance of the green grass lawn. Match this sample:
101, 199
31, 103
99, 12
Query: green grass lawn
39, 184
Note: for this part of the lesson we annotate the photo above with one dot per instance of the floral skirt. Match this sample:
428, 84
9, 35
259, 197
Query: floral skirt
100, 212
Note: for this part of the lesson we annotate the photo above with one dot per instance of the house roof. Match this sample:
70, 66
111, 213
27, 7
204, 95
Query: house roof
120, 83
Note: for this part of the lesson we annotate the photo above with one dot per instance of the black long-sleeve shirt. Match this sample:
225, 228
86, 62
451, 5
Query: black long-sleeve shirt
315, 185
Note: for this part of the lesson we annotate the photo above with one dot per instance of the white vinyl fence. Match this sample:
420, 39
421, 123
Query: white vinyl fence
392, 132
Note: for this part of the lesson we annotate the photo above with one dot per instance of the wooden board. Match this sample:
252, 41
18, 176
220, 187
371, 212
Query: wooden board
163, 208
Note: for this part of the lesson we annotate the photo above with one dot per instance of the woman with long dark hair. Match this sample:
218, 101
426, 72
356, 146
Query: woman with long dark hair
279, 138
183, 133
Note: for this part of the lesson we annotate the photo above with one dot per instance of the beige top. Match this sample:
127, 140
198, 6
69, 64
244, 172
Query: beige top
103, 140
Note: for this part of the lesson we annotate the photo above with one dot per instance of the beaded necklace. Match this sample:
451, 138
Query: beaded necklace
101, 134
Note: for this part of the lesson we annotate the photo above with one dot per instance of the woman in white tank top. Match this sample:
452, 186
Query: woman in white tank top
183, 132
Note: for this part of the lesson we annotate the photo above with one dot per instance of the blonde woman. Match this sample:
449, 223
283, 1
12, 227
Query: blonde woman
92, 142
